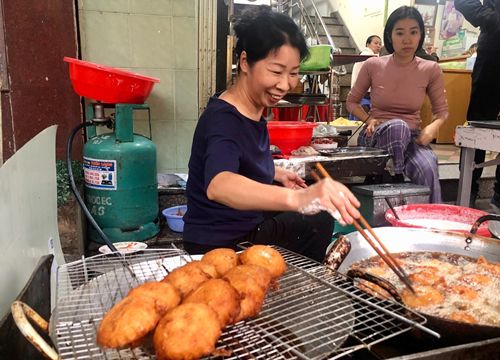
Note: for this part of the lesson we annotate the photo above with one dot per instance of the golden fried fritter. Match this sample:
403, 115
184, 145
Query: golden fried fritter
220, 296
492, 267
475, 280
165, 295
258, 273
251, 292
187, 332
426, 275
223, 259
426, 296
462, 316
465, 292
266, 257
187, 277
128, 322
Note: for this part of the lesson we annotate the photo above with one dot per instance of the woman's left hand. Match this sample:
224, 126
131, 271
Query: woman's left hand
289, 179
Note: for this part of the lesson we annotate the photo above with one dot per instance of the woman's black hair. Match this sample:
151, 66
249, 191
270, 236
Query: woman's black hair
260, 30
370, 39
403, 12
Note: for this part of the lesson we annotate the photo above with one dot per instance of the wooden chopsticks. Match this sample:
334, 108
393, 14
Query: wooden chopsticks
381, 250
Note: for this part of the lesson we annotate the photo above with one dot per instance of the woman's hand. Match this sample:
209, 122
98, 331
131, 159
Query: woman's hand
329, 195
371, 125
289, 179
429, 132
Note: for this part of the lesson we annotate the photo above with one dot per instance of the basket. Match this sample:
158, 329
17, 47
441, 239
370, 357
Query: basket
107, 84
290, 135
318, 59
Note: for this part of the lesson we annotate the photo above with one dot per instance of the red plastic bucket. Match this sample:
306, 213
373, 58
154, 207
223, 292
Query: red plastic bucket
108, 84
438, 216
290, 135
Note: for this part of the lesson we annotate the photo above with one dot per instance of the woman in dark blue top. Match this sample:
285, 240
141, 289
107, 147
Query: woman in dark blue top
230, 187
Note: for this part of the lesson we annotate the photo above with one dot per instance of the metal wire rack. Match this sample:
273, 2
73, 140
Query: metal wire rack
313, 313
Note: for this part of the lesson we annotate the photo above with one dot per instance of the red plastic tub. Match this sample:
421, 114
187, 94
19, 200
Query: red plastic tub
108, 84
290, 135
438, 216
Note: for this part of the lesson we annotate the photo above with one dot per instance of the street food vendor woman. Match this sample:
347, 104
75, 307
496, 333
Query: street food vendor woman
232, 195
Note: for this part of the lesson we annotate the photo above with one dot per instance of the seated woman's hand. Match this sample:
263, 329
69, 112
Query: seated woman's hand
371, 125
331, 196
428, 133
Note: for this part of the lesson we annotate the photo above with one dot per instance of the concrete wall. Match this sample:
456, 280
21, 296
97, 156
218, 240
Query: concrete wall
156, 38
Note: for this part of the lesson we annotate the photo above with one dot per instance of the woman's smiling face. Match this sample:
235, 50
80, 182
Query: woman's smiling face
405, 38
271, 78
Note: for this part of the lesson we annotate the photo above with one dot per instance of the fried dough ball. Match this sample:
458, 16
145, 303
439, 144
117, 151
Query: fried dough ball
165, 295
475, 280
220, 296
493, 268
426, 296
261, 275
464, 291
223, 259
426, 275
251, 292
208, 268
462, 317
187, 332
187, 277
128, 322
266, 257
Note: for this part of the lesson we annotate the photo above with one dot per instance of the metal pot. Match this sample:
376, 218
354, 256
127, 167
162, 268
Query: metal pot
417, 240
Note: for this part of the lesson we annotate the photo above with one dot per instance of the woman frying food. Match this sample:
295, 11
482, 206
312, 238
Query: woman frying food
230, 189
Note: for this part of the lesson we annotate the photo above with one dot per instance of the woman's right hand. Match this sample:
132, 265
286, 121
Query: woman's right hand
371, 125
330, 195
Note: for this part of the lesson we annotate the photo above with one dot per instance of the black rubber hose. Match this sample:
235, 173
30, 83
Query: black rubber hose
69, 148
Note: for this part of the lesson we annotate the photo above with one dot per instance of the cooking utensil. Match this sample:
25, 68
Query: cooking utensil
478, 223
391, 207
310, 315
400, 240
494, 227
379, 248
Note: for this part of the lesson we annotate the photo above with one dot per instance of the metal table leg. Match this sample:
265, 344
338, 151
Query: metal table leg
465, 181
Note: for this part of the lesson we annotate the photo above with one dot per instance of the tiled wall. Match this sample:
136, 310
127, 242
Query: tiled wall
156, 38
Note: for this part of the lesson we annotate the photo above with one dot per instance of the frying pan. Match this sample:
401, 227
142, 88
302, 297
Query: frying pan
399, 240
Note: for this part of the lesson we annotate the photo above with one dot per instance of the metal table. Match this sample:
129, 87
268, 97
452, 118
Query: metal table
338, 166
469, 139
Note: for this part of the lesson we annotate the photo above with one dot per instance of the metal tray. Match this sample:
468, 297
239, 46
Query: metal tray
353, 151
310, 315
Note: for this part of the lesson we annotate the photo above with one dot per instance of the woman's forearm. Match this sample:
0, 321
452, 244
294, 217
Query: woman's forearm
242, 193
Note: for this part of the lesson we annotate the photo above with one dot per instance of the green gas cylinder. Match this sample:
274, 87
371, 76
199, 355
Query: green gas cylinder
121, 189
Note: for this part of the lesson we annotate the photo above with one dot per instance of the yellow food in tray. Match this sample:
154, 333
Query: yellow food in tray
345, 122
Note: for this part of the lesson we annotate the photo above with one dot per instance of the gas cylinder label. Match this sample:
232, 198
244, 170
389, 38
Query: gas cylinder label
99, 174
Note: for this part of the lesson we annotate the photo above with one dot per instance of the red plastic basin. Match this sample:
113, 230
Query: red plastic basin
438, 216
108, 84
290, 135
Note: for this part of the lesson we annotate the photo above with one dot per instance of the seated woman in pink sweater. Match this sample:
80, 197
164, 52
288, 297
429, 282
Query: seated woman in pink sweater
399, 83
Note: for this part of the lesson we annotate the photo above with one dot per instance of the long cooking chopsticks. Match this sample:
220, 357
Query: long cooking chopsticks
385, 255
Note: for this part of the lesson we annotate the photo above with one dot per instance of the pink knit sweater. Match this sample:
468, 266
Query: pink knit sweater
398, 91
